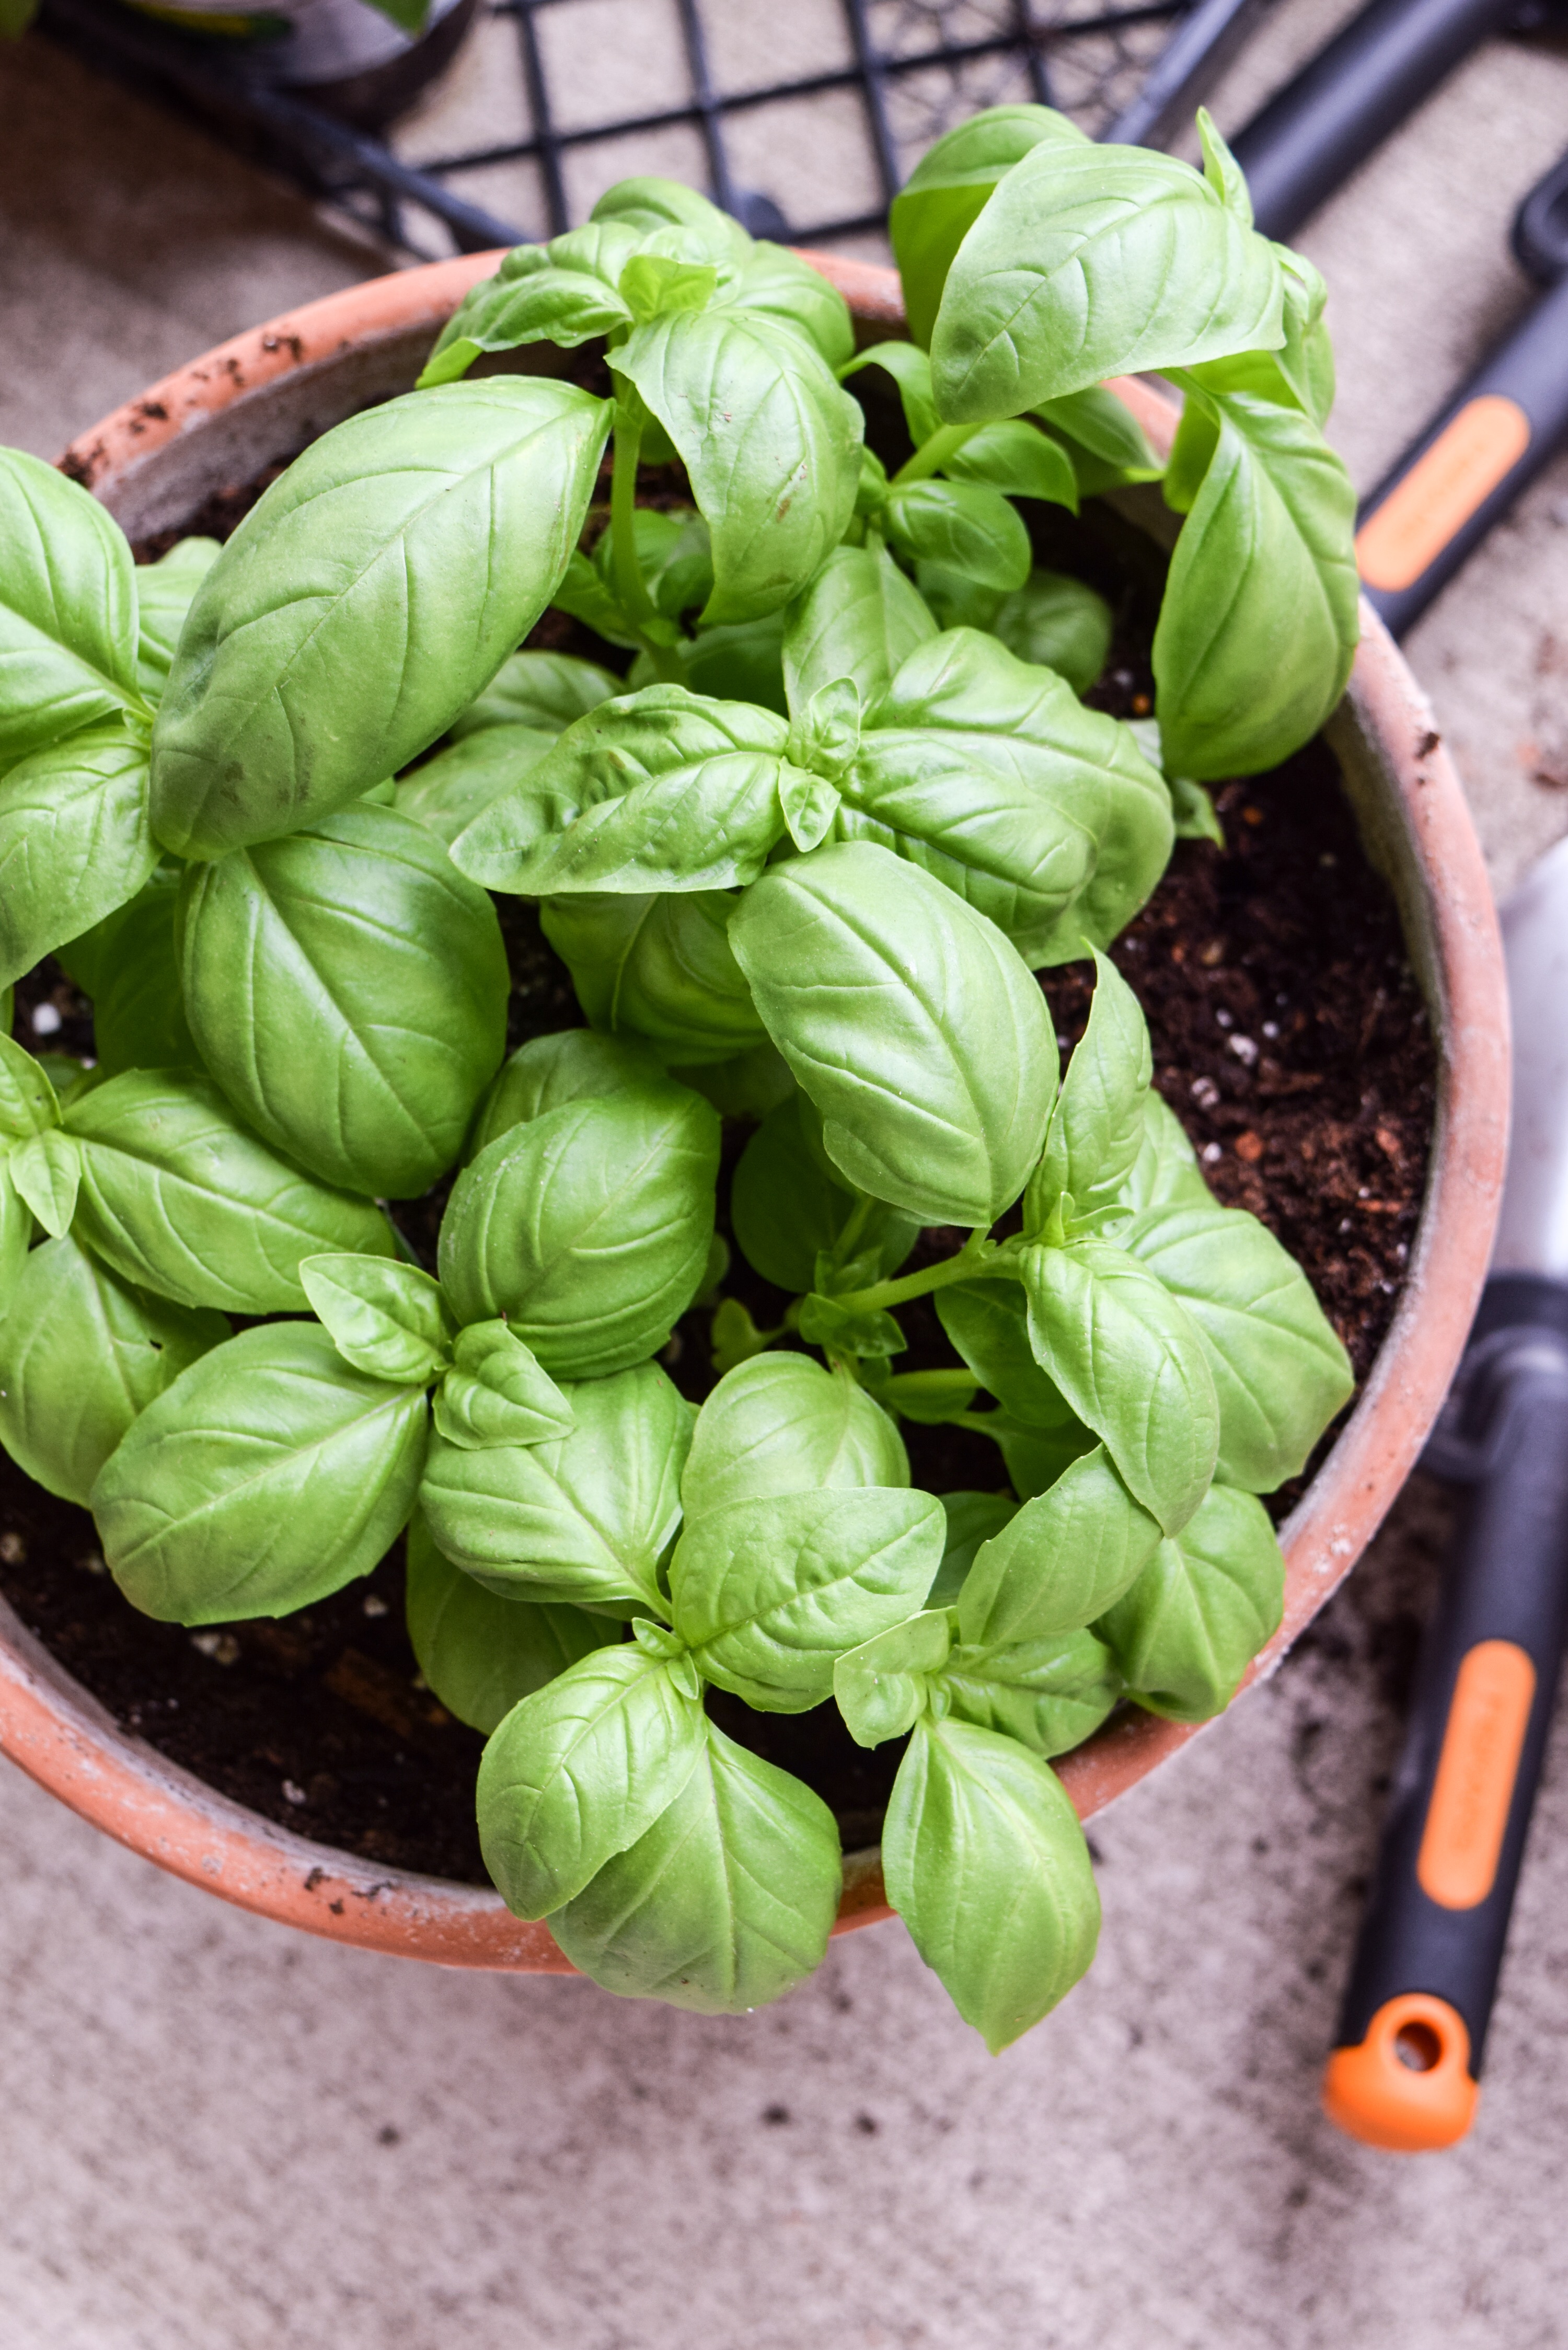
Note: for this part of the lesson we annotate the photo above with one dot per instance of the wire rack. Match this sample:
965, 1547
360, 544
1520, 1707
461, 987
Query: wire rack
804, 117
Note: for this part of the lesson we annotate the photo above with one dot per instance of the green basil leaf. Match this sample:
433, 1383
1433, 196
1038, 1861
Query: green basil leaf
859, 618
27, 1104
784, 288
743, 663
67, 610
771, 445
1035, 1458
138, 1012
1133, 1365
962, 525
648, 206
81, 1353
949, 188
16, 1233
1193, 810
587, 1228
750, 1085
407, 549
1018, 460
583, 594
1049, 1694
990, 773
178, 1198
1279, 1371
674, 555
928, 1397
448, 792
1260, 622
653, 285
988, 1322
1222, 171
544, 691
847, 1334
576, 1064
583, 1519
910, 1022
74, 840
724, 1903
973, 1519
1089, 261
882, 1687
1057, 623
386, 1318
956, 602
1097, 1126
1102, 437
658, 967
164, 591
495, 1392
733, 1338
788, 1204
566, 307
781, 1424
1060, 1561
659, 789
1166, 1171
767, 1593
1202, 1609
825, 734
68, 1077
45, 1170
809, 802
579, 1771
480, 1654
910, 370
986, 1864
266, 1477
353, 949
1306, 361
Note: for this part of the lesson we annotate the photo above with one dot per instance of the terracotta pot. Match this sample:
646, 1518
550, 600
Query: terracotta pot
220, 420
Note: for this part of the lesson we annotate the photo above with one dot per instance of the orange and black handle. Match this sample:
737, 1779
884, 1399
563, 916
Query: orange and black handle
1405, 2070
1447, 490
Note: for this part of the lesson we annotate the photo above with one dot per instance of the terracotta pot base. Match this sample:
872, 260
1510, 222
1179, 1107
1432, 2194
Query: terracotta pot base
263, 395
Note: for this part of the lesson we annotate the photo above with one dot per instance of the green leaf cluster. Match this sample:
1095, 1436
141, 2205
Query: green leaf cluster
802, 837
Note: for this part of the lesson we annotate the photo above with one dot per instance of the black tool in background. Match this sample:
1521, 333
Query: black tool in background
1492, 437
1314, 134
1187, 69
1412, 2036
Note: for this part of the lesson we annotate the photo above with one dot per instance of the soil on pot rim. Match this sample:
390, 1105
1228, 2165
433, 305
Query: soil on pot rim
1289, 1035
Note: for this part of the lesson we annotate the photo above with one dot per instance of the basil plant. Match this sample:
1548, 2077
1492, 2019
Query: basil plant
804, 834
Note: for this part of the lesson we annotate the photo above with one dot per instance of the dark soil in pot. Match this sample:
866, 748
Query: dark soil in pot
1289, 1035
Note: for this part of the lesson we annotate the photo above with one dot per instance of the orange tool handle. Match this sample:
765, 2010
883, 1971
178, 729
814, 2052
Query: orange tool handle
1406, 2071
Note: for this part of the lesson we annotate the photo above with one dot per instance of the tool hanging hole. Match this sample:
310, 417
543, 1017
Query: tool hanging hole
1417, 2047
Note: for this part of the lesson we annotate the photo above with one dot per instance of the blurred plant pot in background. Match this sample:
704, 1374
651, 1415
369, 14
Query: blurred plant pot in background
222, 420
344, 55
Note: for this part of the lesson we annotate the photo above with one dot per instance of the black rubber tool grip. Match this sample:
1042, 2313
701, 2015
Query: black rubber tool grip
1312, 136
1412, 2036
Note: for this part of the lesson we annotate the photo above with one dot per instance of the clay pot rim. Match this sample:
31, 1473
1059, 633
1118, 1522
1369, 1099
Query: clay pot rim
66, 1740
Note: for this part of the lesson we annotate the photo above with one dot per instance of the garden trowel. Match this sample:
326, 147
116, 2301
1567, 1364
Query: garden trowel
1405, 2072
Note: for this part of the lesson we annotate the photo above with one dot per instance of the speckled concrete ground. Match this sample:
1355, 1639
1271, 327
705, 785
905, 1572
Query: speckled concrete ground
216, 2135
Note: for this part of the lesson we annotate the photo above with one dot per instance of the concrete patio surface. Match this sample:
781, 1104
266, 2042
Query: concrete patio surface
215, 2134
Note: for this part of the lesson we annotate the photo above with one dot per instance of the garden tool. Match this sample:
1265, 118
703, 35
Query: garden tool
1405, 2072
1466, 469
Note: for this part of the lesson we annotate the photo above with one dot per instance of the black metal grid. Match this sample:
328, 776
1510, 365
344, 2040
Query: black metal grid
1015, 51
915, 67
